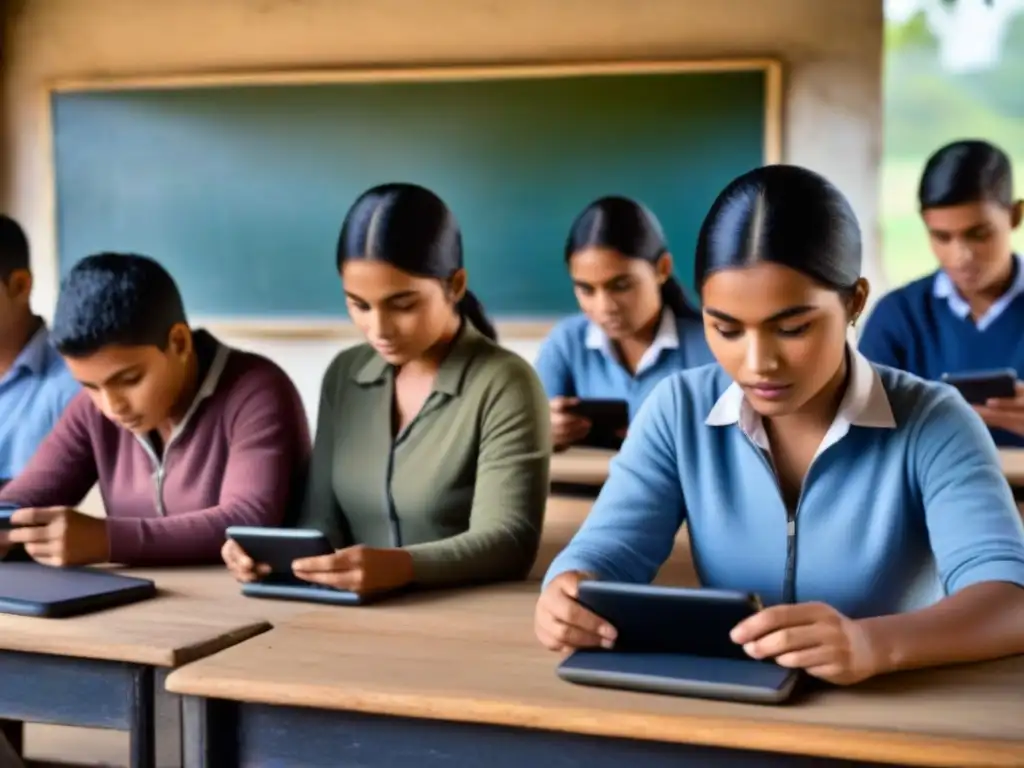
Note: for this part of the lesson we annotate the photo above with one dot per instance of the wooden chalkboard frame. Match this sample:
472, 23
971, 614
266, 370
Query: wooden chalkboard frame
306, 329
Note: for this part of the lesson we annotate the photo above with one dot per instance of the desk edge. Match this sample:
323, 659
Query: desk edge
767, 735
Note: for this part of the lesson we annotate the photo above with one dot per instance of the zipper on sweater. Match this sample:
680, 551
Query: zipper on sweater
789, 577
159, 468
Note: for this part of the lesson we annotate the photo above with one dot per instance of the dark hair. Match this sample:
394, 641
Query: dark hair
115, 298
13, 247
629, 228
410, 228
787, 215
963, 172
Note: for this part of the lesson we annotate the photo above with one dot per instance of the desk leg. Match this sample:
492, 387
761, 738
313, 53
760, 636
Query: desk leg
38, 688
141, 722
14, 732
221, 734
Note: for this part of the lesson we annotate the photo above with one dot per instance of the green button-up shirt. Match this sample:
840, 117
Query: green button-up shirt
462, 487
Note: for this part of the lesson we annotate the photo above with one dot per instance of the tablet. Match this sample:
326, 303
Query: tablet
32, 589
673, 640
303, 591
756, 682
979, 386
656, 619
279, 548
607, 419
7, 510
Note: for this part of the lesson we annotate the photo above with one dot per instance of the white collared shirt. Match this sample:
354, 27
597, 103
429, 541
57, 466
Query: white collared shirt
943, 288
666, 337
864, 404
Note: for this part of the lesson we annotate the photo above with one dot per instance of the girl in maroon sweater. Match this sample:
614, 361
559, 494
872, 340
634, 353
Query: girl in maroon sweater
184, 435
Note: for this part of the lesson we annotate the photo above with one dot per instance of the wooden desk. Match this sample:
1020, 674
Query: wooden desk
580, 471
565, 515
588, 467
458, 679
106, 670
1012, 460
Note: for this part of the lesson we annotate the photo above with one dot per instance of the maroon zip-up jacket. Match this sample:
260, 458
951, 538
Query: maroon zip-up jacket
239, 457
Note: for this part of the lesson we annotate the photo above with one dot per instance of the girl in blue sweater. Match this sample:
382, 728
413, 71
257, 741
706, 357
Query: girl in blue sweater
863, 504
969, 315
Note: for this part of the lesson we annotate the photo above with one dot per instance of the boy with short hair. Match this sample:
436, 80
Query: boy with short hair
185, 435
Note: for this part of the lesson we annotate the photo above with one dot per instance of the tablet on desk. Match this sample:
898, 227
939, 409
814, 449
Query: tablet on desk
31, 589
279, 548
676, 641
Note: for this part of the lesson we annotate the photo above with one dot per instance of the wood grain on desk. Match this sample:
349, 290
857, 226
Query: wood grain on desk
589, 466
201, 611
471, 657
565, 515
197, 612
1012, 460
581, 466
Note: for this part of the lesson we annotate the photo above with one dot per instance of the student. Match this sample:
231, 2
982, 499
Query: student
865, 505
968, 316
430, 465
185, 435
636, 325
34, 382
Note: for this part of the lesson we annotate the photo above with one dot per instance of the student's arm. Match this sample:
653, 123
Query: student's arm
978, 540
268, 439
63, 469
511, 490
631, 529
553, 366
320, 509
881, 341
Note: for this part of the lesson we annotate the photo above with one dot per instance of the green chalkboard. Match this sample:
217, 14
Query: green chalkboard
240, 191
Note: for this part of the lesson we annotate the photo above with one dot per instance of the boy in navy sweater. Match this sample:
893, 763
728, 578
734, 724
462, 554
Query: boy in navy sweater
969, 315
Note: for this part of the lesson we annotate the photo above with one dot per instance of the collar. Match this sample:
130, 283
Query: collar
943, 288
33, 356
666, 337
451, 373
864, 404
210, 380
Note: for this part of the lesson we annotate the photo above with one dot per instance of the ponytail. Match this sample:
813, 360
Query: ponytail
472, 310
673, 297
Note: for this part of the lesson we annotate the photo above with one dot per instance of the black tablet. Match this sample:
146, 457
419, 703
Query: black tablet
675, 674
7, 510
979, 386
279, 548
31, 589
675, 640
608, 419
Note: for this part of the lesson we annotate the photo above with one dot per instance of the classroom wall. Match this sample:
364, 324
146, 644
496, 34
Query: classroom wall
832, 51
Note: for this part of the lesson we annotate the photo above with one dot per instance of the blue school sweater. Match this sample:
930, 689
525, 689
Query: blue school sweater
578, 360
915, 328
904, 503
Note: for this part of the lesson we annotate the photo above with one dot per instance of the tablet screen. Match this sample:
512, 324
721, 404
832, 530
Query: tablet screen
654, 619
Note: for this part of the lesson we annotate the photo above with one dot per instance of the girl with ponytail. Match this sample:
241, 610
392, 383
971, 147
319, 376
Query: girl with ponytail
636, 326
430, 464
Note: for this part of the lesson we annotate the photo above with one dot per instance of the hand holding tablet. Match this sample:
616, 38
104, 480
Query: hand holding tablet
301, 564
657, 639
